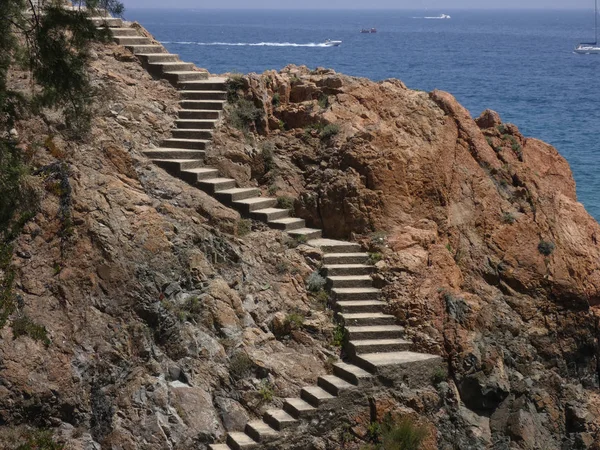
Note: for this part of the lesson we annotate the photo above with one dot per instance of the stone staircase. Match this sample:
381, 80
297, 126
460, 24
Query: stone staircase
377, 354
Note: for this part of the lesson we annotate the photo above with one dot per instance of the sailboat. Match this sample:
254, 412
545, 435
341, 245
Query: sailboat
590, 47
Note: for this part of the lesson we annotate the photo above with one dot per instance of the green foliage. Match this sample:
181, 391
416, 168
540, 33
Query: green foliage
240, 366
501, 128
294, 321
266, 391
322, 297
244, 226
301, 239
40, 440
285, 202
439, 374
24, 326
508, 218
374, 258
234, 84
378, 238
276, 100
244, 114
329, 131
449, 247
546, 247
404, 434
315, 282
272, 190
324, 101
339, 335
268, 156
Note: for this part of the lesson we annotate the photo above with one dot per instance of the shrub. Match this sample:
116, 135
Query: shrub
240, 366
329, 131
323, 101
440, 374
501, 128
294, 321
24, 326
244, 226
234, 84
546, 247
339, 336
40, 440
266, 391
272, 190
315, 282
285, 202
243, 114
508, 218
276, 100
322, 297
404, 434
268, 157
374, 258
282, 267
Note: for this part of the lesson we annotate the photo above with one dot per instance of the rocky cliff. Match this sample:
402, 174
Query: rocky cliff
163, 320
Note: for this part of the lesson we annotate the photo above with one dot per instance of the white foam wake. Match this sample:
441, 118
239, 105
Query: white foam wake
249, 44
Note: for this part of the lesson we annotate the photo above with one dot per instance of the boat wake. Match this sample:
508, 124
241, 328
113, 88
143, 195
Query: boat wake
249, 44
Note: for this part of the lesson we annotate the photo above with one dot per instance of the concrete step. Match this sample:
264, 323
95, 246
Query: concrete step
179, 165
161, 67
360, 306
132, 40
261, 431
298, 408
249, 205
110, 22
315, 396
237, 194
268, 214
375, 362
348, 269
350, 281
367, 319
352, 374
188, 133
124, 31
176, 76
204, 95
198, 114
194, 144
196, 174
378, 346
214, 185
363, 293
211, 84
334, 246
195, 124
145, 49
279, 420
308, 233
358, 333
153, 58
334, 384
174, 153
345, 258
219, 447
287, 224
215, 105
239, 441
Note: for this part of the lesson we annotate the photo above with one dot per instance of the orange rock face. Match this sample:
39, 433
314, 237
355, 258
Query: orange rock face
489, 259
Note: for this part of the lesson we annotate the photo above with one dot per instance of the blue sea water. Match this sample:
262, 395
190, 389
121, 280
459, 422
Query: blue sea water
519, 63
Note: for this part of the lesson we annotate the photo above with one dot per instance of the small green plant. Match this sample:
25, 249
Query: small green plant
439, 374
501, 128
339, 336
24, 326
276, 100
324, 101
244, 226
294, 321
40, 440
404, 434
516, 147
322, 297
240, 366
281, 125
374, 431
489, 141
329, 362
300, 239
272, 190
508, 218
449, 248
375, 257
546, 247
378, 238
282, 267
243, 114
268, 156
234, 84
329, 131
285, 202
315, 282
266, 391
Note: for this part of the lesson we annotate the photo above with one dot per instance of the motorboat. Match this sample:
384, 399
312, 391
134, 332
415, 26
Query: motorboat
368, 30
590, 48
441, 16
330, 43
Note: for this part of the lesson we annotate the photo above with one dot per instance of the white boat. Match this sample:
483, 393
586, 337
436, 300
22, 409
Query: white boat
586, 48
330, 43
441, 16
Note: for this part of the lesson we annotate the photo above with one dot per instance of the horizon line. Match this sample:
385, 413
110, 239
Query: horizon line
366, 9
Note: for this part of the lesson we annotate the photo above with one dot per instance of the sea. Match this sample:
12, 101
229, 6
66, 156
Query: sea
519, 63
